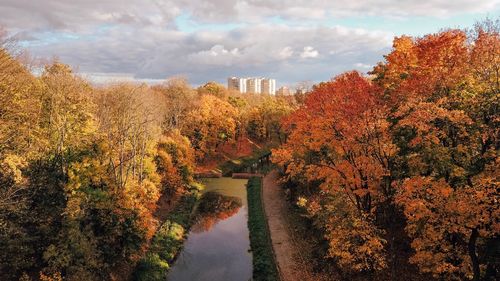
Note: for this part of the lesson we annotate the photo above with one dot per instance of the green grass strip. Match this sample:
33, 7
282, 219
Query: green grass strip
264, 266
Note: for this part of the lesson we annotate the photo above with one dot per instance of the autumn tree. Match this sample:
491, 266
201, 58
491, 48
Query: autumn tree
82, 169
20, 107
450, 226
213, 88
176, 100
264, 121
175, 161
129, 121
20, 110
67, 117
340, 138
444, 99
212, 123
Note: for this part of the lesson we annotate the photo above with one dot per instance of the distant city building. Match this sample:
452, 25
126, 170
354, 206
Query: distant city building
237, 84
268, 86
252, 85
283, 91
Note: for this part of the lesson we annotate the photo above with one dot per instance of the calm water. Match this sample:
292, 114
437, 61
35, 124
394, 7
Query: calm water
218, 250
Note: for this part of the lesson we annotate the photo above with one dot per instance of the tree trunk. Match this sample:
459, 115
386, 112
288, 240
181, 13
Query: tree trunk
472, 253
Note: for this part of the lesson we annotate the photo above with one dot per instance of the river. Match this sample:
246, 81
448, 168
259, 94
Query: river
217, 247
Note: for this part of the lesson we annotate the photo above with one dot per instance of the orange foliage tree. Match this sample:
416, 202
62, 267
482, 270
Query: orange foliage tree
422, 137
212, 123
340, 137
443, 92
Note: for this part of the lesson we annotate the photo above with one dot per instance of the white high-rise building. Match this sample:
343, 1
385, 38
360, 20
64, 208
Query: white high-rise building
237, 84
268, 86
252, 85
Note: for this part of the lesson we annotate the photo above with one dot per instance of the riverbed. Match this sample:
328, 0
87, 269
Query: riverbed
217, 247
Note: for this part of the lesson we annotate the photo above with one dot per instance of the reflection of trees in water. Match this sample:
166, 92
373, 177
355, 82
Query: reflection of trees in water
213, 208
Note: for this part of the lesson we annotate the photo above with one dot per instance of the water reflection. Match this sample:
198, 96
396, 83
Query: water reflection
217, 246
214, 207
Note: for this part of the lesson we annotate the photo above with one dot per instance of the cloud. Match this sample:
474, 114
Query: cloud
260, 50
256, 10
286, 52
363, 65
309, 52
82, 15
217, 55
285, 39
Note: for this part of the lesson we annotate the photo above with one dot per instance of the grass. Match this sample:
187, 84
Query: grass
264, 266
167, 242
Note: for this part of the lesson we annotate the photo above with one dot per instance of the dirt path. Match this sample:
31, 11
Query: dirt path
291, 261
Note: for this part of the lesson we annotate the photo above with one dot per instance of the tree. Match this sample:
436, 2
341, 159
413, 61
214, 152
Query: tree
20, 141
175, 162
210, 125
177, 99
264, 122
213, 88
340, 138
67, 117
20, 108
129, 121
81, 170
443, 96
447, 224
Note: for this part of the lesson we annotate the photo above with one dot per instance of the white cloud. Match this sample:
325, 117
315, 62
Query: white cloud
260, 50
78, 15
217, 55
139, 39
286, 52
362, 66
309, 52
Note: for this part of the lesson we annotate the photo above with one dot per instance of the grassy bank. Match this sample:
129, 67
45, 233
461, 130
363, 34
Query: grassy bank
168, 241
264, 266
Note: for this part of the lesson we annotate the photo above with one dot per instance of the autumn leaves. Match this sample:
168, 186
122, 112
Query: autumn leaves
419, 135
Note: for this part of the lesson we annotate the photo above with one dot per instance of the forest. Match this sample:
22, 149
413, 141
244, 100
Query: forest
409, 155
396, 171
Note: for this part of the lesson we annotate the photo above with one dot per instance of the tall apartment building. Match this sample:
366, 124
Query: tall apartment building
252, 85
268, 86
237, 84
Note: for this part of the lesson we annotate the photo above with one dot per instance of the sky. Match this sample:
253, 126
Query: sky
210, 40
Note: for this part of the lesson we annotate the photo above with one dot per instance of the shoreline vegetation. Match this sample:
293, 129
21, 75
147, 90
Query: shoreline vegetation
193, 211
264, 264
168, 241
170, 237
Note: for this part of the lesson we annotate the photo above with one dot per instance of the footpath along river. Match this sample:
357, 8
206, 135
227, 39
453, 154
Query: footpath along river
218, 243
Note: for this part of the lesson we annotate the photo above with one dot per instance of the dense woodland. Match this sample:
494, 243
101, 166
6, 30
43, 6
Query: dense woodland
82, 167
396, 169
409, 154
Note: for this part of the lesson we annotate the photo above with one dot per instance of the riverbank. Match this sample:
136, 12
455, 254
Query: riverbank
264, 265
168, 241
